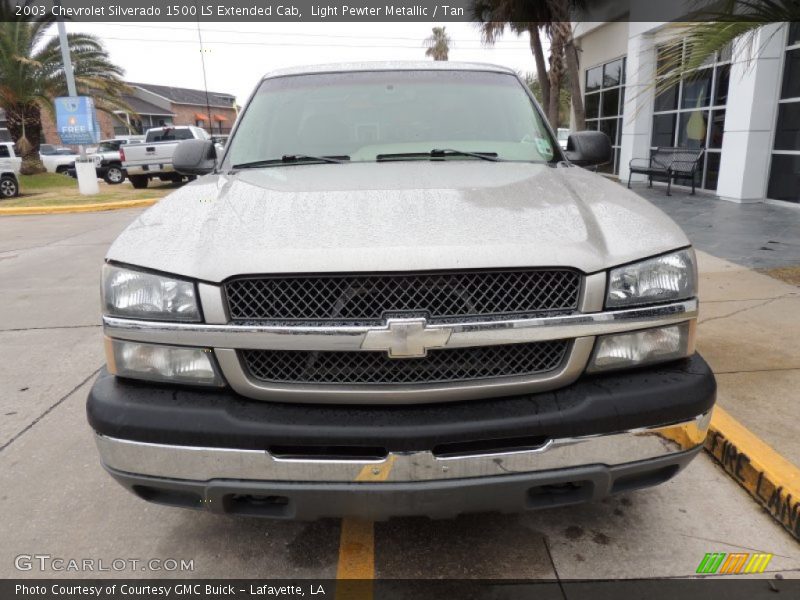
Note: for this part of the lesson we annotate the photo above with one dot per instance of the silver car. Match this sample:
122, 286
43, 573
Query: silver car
393, 293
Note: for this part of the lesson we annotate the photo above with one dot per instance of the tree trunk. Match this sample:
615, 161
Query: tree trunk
541, 66
24, 122
573, 73
556, 73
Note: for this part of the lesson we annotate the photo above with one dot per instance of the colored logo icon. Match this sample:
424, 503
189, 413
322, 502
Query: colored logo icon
736, 563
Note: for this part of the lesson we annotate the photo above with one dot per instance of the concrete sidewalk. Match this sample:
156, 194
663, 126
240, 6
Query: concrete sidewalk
749, 332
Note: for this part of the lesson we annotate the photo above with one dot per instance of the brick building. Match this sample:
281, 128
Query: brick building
156, 105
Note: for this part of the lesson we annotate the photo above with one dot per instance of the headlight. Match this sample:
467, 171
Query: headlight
644, 347
661, 279
141, 295
154, 362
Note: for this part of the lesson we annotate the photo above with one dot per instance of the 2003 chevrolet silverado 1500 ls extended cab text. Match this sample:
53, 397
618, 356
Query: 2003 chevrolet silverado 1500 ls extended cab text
394, 294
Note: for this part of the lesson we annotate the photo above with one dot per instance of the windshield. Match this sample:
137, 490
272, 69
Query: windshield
366, 115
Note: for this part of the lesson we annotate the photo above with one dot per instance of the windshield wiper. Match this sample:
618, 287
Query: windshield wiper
440, 153
292, 159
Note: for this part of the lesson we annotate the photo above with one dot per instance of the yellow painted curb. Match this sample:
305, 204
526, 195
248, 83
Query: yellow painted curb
75, 208
768, 477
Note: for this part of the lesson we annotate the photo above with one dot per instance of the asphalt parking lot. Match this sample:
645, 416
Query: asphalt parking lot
57, 500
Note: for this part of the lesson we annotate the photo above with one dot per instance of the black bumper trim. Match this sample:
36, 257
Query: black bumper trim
222, 419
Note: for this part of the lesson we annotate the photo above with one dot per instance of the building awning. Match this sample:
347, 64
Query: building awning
219, 118
200, 117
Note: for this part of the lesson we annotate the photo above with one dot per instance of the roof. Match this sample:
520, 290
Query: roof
143, 107
420, 65
188, 95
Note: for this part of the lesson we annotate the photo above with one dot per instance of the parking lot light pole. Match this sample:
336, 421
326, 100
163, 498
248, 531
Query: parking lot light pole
84, 167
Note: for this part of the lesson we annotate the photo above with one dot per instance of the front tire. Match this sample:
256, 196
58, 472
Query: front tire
138, 181
9, 188
115, 175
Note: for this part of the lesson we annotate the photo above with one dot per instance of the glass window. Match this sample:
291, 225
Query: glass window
723, 78
794, 34
666, 99
609, 127
717, 129
697, 90
594, 79
604, 105
692, 129
612, 73
663, 130
4, 153
787, 131
610, 103
791, 75
712, 170
591, 104
784, 177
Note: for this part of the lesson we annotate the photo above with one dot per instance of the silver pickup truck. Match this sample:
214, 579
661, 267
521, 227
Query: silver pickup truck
394, 294
152, 158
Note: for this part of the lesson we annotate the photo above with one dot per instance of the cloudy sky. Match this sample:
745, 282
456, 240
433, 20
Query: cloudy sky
237, 54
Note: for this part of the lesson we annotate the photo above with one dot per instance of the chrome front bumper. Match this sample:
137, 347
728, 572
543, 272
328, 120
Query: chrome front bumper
205, 464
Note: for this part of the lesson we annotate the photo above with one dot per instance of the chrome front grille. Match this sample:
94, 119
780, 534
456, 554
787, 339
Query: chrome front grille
370, 368
370, 299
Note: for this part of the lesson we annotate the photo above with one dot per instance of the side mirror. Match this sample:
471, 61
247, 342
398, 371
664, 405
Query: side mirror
195, 157
589, 148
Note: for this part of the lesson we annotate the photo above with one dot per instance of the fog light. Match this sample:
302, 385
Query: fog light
645, 347
154, 362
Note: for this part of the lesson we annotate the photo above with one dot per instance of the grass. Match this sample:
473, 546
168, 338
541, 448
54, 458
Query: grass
51, 189
788, 274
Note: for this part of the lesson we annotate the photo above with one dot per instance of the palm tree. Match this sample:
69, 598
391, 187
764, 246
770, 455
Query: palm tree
495, 16
32, 75
550, 17
692, 44
438, 44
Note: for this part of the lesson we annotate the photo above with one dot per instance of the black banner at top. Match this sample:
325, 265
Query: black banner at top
341, 10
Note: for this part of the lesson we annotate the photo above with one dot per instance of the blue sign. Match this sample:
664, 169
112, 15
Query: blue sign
76, 120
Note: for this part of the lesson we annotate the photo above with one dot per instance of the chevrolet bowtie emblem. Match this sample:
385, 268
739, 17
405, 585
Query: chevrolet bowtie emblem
406, 338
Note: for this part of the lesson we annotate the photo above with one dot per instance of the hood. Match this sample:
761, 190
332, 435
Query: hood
395, 216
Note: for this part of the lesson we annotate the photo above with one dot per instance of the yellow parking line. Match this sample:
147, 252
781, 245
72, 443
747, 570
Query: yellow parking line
74, 208
356, 568
769, 478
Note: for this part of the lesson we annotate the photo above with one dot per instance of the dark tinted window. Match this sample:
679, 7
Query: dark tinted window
787, 132
663, 130
712, 170
592, 106
723, 82
612, 73
784, 177
791, 75
666, 99
611, 103
4, 153
609, 127
717, 129
697, 90
594, 79
169, 135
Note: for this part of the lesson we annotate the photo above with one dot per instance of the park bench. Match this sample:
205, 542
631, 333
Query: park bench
668, 163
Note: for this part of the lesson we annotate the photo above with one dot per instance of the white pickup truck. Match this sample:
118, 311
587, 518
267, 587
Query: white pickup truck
153, 157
